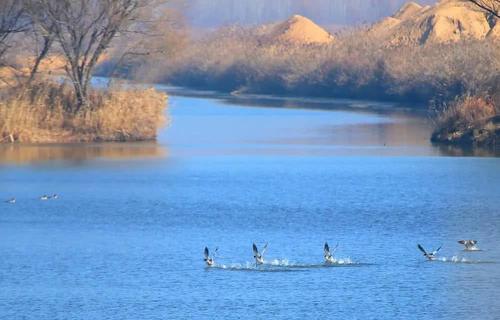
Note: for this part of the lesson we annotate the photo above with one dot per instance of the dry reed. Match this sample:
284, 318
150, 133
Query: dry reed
44, 113
355, 66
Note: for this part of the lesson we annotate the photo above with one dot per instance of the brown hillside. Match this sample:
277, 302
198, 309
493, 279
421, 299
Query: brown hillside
297, 30
447, 21
408, 10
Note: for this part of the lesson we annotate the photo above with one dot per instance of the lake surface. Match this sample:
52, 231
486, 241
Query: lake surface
125, 238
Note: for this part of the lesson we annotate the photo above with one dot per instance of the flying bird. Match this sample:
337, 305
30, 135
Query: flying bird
429, 255
470, 245
209, 260
329, 254
259, 257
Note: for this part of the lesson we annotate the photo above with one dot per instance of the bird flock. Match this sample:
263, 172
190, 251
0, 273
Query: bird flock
328, 254
44, 197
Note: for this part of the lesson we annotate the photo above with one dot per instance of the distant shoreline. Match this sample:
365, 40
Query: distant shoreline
352, 103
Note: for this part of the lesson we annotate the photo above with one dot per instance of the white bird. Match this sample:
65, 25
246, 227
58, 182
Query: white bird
210, 261
54, 196
11, 200
470, 245
429, 255
44, 197
329, 254
259, 257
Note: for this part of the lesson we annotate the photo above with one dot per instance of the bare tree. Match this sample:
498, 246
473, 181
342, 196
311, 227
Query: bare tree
491, 6
144, 48
43, 40
84, 29
12, 21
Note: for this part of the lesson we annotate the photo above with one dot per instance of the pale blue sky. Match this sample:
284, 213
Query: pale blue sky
213, 13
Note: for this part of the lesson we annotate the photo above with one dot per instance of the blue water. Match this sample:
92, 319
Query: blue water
125, 238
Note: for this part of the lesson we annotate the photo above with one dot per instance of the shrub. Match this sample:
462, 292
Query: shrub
43, 113
466, 111
469, 121
356, 65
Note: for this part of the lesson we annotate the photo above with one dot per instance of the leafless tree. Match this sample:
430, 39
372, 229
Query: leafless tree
43, 40
491, 6
12, 21
84, 29
162, 33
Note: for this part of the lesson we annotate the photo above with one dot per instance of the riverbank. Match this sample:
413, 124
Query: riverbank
469, 122
485, 133
44, 112
416, 55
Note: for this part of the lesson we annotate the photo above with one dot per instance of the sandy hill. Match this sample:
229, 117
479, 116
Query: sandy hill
408, 10
446, 21
297, 30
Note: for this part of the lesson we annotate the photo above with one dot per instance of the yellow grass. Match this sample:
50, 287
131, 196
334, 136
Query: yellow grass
469, 121
44, 113
466, 111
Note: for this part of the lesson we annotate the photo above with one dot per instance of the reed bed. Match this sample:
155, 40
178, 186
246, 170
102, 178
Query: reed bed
44, 113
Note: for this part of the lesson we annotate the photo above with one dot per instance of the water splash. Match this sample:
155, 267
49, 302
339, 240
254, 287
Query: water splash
459, 259
454, 259
282, 265
342, 261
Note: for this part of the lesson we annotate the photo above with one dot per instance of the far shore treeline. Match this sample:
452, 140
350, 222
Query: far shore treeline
38, 38
444, 56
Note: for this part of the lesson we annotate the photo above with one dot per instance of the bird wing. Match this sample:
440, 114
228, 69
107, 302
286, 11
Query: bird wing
326, 249
255, 250
421, 249
206, 253
335, 249
436, 251
264, 249
473, 242
461, 241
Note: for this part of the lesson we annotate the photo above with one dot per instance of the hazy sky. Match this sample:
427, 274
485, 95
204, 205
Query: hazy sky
213, 13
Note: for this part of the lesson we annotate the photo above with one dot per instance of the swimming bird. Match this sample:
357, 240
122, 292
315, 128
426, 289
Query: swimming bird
11, 200
429, 255
44, 197
259, 257
210, 261
329, 254
470, 245
54, 196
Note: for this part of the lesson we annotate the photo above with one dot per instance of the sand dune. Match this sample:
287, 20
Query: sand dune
296, 30
407, 11
446, 21
413, 24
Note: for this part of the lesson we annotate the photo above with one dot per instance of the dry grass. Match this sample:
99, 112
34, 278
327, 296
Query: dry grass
465, 112
470, 121
44, 113
354, 66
